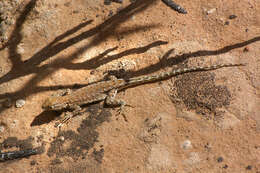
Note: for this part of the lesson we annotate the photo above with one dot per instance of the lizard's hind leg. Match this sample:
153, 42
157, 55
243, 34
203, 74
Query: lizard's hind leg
68, 115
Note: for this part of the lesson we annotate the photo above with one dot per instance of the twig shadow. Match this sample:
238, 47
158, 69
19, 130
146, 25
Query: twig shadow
100, 33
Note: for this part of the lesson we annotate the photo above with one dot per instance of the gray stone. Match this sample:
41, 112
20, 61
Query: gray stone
19, 103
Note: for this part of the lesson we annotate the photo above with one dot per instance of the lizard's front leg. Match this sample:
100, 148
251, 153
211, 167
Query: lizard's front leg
112, 101
68, 115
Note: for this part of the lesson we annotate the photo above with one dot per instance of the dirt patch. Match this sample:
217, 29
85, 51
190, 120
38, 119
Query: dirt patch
77, 144
198, 91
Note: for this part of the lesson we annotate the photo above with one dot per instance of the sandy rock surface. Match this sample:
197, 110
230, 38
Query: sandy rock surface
205, 122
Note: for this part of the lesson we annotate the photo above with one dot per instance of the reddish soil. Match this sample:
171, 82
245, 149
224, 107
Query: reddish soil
196, 122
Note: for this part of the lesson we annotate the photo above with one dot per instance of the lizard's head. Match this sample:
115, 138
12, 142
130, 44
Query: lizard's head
49, 103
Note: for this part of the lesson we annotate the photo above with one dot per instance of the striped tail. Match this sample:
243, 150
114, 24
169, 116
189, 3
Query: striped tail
166, 75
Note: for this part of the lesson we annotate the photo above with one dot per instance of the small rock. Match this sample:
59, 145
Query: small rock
186, 144
246, 49
249, 167
232, 16
2, 128
227, 23
220, 159
62, 138
19, 103
14, 123
225, 166
211, 11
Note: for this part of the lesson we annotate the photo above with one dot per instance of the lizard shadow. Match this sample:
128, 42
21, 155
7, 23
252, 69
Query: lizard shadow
45, 117
48, 116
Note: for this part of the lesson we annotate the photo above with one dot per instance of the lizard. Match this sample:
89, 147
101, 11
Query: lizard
106, 91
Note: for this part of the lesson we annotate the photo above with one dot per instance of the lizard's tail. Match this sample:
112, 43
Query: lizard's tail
165, 75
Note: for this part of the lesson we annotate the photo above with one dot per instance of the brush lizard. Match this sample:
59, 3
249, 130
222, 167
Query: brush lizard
107, 90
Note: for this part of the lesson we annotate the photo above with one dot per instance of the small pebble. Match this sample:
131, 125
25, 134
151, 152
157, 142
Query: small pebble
186, 144
227, 23
220, 159
19, 103
232, 16
14, 123
249, 167
62, 138
225, 166
211, 11
246, 29
246, 49
2, 128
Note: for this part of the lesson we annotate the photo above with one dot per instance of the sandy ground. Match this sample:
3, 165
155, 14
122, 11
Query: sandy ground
205, 122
